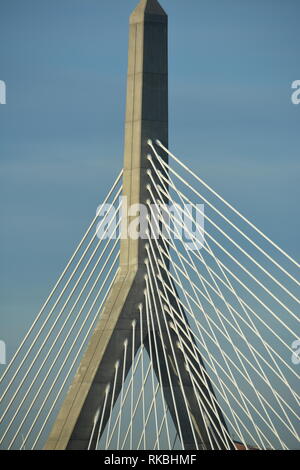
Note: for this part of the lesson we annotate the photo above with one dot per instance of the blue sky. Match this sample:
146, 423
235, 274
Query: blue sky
64, 62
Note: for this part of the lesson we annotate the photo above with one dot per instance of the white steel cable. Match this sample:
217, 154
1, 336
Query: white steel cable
216, 386
237, 416
172, 231
60, 349
168, 169
224, 396
58, 281
254, 261
238, 355
102, 415
160, 429
179, 375
148, 307
229, 339
61, 368
228, 357
201, 308
168, 289
176, 367
153, 274
112, 402
55, 322
168, 373
74, 361
165, 300
243, 285
251, 406
156, 351
226, 203
265, 377
137, 402
154, 277
137, 361
143, 371
240, 352
230, 324
149, 414
132, 384
70, 369
53, 307
207, 423
96, 418
122, 393
251, 365
241, 266
182, 286
268, 364
237, 313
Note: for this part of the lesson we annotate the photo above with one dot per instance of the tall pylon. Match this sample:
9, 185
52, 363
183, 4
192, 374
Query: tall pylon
146, 118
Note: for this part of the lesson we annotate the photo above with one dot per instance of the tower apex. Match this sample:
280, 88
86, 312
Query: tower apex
147, 7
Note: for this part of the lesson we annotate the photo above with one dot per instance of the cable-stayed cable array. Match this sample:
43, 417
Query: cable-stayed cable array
219, 295
35, 382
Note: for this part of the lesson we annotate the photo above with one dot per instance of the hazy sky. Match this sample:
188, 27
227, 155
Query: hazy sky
232, 63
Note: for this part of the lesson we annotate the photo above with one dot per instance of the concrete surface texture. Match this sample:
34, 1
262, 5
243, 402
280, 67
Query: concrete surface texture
146, 117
